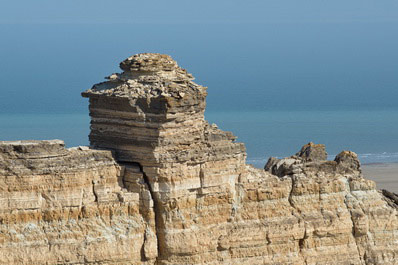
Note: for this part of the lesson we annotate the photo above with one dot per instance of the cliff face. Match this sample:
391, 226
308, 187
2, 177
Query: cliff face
159, 185
66, 206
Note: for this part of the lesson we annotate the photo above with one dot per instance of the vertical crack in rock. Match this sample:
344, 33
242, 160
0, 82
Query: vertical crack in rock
157, 212
291, 194
134, 180
95, 192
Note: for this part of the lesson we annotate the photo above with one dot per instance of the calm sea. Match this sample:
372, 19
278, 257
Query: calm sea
371, 134
255, 72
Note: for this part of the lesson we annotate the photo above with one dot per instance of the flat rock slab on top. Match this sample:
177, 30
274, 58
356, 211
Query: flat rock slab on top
150, 75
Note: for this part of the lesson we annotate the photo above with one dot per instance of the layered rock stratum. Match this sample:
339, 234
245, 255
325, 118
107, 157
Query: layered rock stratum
159, 185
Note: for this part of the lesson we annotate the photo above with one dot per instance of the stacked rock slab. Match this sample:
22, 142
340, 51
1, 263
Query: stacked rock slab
153, 114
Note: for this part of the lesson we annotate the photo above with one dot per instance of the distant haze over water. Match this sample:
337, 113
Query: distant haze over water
247, 67
279, 73
371, 134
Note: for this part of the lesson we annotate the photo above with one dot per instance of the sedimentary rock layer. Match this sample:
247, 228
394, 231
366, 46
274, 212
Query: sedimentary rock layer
159, 185
69, 206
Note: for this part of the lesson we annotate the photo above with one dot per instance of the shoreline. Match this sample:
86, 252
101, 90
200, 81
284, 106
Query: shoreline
384, 174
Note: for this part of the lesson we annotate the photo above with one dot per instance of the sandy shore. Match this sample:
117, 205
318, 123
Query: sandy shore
385, 175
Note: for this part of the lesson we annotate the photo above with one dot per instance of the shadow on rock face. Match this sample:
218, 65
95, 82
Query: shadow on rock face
313, 152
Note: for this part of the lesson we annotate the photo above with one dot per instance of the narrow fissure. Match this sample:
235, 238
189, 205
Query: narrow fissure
94, 192
291, 194
156, 210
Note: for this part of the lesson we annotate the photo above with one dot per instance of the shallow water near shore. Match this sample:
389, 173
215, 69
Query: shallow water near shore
371, 134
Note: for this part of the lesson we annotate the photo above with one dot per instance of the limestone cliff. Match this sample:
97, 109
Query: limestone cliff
159, 185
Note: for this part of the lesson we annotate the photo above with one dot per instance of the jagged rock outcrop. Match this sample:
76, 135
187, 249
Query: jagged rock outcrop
159, 185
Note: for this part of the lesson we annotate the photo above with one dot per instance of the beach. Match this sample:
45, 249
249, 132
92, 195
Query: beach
384, 174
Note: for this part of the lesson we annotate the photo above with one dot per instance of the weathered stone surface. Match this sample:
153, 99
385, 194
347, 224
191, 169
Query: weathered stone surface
67, 206
169, 188
312, 158
313, 152
348, 161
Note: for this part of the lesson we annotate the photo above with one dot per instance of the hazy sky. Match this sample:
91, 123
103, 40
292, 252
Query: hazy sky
251, 54
186, 11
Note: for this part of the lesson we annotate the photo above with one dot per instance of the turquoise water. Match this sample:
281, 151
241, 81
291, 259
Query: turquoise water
371, 134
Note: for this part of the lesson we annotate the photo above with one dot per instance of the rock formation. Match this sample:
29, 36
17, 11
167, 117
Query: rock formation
66, 206
159, 185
